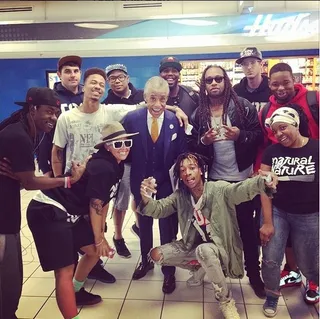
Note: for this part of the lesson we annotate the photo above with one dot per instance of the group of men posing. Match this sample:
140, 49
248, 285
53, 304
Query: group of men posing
235, 124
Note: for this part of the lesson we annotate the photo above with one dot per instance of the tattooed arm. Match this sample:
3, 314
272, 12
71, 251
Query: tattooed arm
98, 215
57, 160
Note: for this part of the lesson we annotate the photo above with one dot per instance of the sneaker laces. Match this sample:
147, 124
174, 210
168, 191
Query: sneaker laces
229, 310
272, 302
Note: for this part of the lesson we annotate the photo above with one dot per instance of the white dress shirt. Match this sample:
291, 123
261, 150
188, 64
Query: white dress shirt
159, 120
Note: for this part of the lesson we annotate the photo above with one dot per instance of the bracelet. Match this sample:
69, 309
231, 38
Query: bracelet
201, 140
69, 181
99, 243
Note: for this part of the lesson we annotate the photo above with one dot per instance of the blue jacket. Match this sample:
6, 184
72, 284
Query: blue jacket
175, 144
69, 101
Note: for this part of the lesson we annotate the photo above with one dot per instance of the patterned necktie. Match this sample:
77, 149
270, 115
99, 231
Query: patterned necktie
154, 130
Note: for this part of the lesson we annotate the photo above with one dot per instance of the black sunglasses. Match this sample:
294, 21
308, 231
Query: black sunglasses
217, 78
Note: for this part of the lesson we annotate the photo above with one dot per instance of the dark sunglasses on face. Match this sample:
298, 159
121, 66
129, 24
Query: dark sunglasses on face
217, 79
121, 143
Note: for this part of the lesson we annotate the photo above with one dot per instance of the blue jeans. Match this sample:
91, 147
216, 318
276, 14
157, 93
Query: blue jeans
304, 231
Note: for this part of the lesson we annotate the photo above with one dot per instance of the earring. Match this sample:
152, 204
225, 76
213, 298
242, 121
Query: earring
206, 92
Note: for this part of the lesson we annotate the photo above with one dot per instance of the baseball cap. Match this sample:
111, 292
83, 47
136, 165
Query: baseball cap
170, 62
69, 58
113, 67
94, 71
41, 96
250, 52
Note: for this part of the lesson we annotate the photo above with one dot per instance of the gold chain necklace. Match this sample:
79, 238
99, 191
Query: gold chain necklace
217, 124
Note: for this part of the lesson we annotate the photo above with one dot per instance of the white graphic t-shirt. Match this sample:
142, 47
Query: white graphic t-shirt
200, 222
79, 132
298, 173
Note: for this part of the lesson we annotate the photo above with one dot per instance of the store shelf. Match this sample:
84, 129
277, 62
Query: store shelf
307, 70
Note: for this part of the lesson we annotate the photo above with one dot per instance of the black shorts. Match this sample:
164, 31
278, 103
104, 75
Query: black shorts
57, 239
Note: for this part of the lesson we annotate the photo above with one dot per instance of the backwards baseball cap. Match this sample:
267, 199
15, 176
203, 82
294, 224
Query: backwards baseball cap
170, 62
250, 52
94, 71
284, 115
41, 96
112, 67
69, 59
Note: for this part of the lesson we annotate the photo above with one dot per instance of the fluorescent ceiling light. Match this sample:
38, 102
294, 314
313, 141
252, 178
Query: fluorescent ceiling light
96, 25
196, 23
16, 22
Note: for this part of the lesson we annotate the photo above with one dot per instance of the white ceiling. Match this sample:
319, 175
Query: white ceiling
82, 11
75, 11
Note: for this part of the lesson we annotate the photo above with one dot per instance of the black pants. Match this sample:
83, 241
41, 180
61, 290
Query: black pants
168, 228
257, 218
248, 233
11, 274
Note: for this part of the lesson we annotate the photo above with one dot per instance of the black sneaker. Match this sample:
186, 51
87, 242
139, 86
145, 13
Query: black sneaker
135, 230
84, 298
121, 248
99, 273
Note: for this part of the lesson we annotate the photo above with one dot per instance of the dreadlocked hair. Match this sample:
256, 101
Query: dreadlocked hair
229, 93
192, 157
15, 117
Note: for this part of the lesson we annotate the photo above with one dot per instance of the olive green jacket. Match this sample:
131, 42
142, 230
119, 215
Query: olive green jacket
218, 206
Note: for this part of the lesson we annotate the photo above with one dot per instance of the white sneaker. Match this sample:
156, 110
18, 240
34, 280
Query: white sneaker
229, 309
197, 278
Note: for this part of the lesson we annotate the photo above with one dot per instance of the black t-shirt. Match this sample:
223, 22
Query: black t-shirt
17, 146
99, 181
300, 195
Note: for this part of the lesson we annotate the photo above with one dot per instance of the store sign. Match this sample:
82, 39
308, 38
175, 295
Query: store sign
265, 25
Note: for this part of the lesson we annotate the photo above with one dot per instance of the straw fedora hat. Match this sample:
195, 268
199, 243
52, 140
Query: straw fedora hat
111, 132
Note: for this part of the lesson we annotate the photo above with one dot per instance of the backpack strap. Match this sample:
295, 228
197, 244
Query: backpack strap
313, 104
192, 93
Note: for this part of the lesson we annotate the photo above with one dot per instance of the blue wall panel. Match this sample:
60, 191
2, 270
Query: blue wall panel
17, 75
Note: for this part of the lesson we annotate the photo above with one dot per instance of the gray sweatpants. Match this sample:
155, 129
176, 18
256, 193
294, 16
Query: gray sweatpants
11, 274
207, 254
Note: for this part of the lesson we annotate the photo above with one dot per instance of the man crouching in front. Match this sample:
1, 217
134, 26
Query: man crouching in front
210, 241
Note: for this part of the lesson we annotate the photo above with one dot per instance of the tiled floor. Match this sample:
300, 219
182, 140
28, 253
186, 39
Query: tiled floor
142, 299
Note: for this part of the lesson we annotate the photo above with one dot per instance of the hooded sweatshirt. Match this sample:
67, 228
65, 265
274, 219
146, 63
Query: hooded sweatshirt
69, 101
135, 97
259, 97
301, 99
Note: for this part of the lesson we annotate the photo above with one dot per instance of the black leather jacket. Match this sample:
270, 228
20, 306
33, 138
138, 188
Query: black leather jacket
187, 100
247, 144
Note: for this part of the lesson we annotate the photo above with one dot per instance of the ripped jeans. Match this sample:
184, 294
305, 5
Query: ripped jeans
207, 254
304, 232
